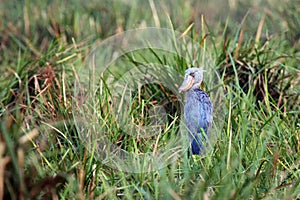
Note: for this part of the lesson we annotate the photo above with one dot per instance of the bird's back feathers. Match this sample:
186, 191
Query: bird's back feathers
198, 117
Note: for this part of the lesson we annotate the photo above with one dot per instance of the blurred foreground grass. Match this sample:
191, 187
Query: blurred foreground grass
254, 47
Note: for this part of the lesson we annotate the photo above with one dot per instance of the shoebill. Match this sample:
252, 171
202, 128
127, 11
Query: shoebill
198, 109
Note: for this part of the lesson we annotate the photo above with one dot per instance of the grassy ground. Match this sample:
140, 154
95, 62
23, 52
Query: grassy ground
253, 47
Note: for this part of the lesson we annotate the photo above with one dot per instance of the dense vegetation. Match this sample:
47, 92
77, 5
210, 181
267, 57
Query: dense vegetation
251, 53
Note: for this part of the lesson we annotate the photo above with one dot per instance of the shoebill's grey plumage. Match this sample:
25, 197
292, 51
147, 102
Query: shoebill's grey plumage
198, 110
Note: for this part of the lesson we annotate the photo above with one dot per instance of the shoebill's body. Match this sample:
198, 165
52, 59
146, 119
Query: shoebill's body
198, 110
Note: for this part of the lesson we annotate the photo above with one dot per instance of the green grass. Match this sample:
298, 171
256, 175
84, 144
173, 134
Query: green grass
251, 54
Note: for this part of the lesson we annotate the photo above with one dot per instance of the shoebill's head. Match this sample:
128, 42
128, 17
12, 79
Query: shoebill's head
192, 79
